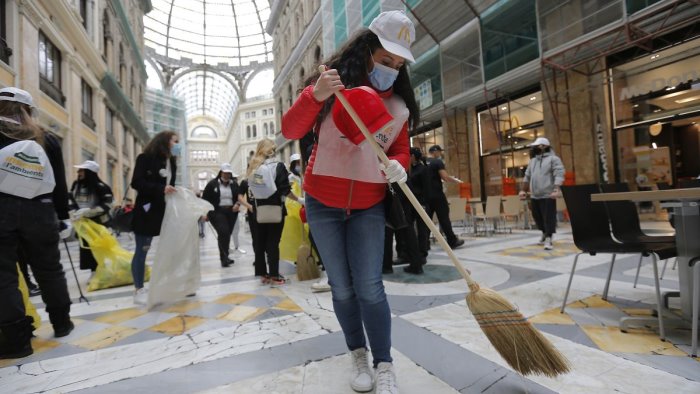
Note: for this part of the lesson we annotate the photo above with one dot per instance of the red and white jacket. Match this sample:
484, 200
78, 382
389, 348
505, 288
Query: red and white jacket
334, 191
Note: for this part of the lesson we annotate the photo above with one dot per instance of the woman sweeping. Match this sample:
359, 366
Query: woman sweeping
345, 186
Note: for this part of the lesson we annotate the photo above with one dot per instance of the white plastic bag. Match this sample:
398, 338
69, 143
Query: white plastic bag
176, 272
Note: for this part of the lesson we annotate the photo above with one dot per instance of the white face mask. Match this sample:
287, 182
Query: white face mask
382, 77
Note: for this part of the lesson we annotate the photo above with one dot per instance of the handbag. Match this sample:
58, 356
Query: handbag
120, 219
268, 213
393, 209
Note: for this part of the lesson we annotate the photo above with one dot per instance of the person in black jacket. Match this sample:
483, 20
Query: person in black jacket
222, 193
154, 177
91, 198
267, 235
419, 183
29, 221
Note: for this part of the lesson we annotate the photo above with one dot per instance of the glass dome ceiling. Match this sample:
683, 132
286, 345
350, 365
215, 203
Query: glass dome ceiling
215, 32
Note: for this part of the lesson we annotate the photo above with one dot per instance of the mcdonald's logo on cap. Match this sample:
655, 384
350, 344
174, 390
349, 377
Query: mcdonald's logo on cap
404, 34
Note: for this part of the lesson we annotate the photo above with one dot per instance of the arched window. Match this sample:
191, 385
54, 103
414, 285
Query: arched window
255, 132
247, 132
203, 132
265, 129
272, 128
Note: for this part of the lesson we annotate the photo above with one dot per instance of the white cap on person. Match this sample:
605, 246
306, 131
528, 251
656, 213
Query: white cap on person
541, 141
89, 165
294, 157
226, 167
396, 33
16, 95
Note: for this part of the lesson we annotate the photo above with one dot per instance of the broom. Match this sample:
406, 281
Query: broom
523, 347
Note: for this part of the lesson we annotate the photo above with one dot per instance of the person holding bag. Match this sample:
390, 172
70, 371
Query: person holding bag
91, 198
222, 193
154, 177
268, 184
345, 183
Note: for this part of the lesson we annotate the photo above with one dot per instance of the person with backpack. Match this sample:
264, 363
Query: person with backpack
345, 183
268, 185
222, 193
153, 178
90, 198
33, 197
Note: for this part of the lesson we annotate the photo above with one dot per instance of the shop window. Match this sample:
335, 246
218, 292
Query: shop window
563, 21
50, 69
5, 50
508, 36
86, 108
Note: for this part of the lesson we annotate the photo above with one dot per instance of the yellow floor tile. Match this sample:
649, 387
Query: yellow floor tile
288, 305
178, 325
638, 312
234, 298
104, 337
119, 316
275, 293
241, 313
591, 302
612, 340
183, 306
552, 316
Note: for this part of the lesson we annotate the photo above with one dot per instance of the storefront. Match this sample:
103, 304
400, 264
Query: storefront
505, 132
656, 109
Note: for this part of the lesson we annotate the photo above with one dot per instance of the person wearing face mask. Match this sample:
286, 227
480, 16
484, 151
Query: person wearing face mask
154, 177
543, 177
222, 193
345, 183
90, 198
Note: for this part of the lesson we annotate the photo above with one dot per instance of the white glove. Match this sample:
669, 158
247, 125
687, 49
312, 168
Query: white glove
65, 229
394, 172
75, 215
301, 201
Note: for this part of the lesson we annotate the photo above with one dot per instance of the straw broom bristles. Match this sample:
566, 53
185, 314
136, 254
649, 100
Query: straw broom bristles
523, 347
515, 339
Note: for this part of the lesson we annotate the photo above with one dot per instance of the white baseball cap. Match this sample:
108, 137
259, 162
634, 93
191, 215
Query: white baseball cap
89, 165
17, 95
540, 141
294, 157
226, 167
396, 33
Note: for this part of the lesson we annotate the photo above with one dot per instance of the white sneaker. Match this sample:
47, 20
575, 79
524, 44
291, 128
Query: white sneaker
362, 379
386, 379
541, 241
241, 251
322, 285
141, 296
548, 244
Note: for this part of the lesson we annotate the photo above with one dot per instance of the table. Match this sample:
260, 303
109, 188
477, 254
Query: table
686, 212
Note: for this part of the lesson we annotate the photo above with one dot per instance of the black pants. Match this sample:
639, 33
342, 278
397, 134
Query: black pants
544, 210
223, 220
24, 267
438, 205
406, 240
422, 233
266, 242
32, 226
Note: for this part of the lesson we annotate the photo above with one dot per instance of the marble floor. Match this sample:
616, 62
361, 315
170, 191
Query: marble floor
238, 336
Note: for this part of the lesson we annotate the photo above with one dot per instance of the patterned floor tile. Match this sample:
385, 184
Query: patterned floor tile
612, 340
177, 325
552, 316
149, 319
183, 306
288, 305
120, 315
104, 338
234, 298
241, 313
561, 249
595, 301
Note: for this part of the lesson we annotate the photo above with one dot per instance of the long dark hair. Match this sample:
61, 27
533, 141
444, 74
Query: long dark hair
22, 113
160, 145
351, 62
90, 181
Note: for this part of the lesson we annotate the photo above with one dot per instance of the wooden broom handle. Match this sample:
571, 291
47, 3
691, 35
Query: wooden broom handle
411, 197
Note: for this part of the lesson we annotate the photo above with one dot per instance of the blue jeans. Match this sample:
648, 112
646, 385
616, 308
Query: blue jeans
138, 263
352, 247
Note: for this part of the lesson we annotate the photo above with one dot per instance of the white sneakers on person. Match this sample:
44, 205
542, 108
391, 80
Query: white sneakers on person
362, 379
542, 238
322, 284
141, 296
241, 251
386, 379
548, 244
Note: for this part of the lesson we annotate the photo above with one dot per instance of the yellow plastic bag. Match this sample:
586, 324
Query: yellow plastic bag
113, 262
292, 236
29, 308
